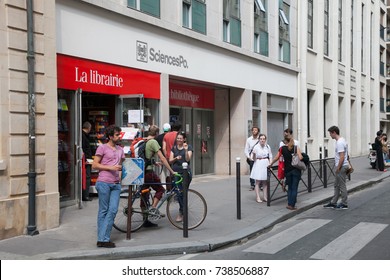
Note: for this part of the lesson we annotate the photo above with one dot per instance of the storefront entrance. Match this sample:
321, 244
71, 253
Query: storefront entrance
197, 118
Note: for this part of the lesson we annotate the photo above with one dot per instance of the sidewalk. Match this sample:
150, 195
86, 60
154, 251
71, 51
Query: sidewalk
75, 238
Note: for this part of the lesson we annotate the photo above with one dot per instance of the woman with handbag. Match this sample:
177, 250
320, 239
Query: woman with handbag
292, 173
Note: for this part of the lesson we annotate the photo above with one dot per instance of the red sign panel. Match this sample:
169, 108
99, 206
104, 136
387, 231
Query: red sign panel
191, 96
93, 76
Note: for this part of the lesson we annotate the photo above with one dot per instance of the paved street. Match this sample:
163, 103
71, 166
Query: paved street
75, 238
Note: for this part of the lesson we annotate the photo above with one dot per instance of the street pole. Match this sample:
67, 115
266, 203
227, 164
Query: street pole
238, 188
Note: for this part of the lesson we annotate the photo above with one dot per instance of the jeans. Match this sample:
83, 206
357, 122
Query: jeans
108, 207
340, 187
292, 180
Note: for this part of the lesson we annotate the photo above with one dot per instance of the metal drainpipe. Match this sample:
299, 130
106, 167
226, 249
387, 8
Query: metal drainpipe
31, 227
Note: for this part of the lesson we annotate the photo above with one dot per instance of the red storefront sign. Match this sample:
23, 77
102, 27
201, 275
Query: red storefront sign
191, 96
93, 76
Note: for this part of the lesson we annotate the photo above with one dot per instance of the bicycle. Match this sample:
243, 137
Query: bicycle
142, 210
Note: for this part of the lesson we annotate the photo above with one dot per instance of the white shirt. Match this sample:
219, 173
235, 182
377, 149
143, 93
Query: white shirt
341, 146
250, 143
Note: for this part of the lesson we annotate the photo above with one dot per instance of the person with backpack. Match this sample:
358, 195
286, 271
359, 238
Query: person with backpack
153, 149
261, 156
180, 153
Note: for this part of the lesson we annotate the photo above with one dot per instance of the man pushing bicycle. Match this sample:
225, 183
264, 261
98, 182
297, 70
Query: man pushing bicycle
153, 149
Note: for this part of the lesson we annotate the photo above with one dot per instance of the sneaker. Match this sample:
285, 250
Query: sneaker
330, 205
342, 206
149, 224
179, 218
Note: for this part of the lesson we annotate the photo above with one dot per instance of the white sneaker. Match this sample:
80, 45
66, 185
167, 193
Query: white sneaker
179, 218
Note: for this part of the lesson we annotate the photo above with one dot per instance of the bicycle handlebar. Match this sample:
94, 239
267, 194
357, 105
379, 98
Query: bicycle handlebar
180, 178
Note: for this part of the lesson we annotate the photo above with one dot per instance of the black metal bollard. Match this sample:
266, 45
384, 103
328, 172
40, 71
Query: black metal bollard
238, 188
129, 207
185, 199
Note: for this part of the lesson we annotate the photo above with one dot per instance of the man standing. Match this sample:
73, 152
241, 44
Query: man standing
250, 144
341, 164
170, 138
160, 137
152, 149
108, 160
87, 156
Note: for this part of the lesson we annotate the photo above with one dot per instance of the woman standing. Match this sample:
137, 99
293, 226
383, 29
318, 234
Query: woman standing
292, 174
261, 155
181, 152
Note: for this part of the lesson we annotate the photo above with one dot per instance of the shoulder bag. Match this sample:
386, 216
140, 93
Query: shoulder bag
296, 162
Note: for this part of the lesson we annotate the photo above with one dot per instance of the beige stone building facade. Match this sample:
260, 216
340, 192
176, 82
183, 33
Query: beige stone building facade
14, 118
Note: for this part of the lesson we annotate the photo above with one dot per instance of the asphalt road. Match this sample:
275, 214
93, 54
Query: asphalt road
360, 233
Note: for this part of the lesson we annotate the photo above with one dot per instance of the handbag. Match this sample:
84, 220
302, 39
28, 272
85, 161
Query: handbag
296, 162
350, 168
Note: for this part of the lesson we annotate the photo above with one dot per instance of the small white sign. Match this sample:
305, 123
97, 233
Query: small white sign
133, 171
135, 116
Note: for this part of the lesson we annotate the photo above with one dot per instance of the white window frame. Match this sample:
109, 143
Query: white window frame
260, 5
283, 17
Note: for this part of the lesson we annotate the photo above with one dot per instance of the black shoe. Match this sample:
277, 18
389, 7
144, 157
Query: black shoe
342, 206
149, 224
87, 199
107, 244
330, 205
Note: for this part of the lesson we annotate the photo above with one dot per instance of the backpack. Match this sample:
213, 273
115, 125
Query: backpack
137, 149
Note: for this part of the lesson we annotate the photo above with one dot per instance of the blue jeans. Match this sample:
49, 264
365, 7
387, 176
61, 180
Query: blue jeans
292, 180
108, 207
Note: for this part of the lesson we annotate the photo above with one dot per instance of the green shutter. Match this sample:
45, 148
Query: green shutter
151, 7
235, 32
286, 51
199, 16
131, 3
264, 43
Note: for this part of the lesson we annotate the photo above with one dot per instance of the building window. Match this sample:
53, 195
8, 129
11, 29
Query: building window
231, 22
194, 15
150, 7
284, 34
326, 27
260, 28
340, 30
256, 109
310, 23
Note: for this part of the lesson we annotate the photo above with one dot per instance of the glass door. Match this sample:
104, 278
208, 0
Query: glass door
69, 146
203, 141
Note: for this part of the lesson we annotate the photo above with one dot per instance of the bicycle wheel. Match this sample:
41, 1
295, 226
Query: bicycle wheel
137, 216
197, 210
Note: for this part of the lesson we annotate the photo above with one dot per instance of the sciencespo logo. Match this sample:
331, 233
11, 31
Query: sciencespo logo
144, 54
